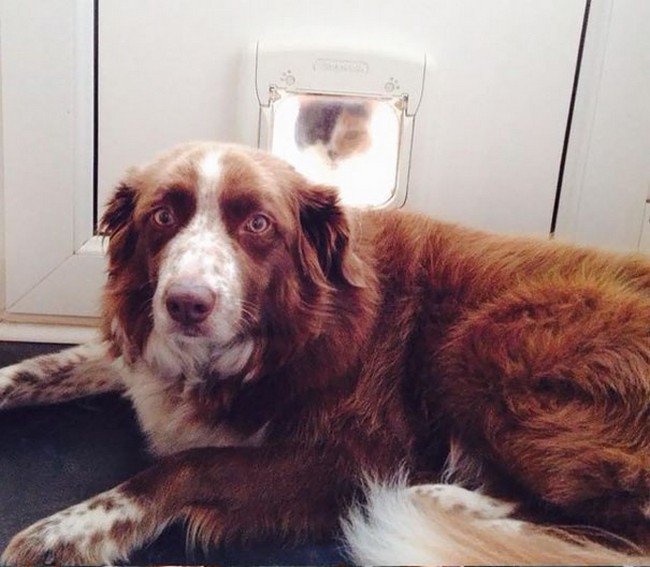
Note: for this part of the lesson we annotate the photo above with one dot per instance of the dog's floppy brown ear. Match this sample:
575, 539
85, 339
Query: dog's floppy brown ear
117, 224
324, 246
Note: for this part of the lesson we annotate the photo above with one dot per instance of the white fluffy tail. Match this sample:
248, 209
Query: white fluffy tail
444, 524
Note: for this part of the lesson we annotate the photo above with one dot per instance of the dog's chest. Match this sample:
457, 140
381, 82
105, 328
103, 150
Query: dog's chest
171, 422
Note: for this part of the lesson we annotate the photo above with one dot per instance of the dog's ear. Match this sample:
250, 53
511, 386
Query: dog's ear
117, 224
324, 243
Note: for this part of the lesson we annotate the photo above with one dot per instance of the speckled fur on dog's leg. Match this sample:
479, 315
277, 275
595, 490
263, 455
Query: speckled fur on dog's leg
72, 373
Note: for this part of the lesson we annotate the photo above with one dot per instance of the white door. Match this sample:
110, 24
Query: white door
488, 136
53, 265
607, 181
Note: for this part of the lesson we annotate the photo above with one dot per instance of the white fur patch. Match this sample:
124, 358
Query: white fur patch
210, 169
388, 529
203, 254
234, 359
452, 497
171, 357
168, 418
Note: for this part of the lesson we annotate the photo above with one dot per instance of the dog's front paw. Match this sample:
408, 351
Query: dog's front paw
43, 543
96, 532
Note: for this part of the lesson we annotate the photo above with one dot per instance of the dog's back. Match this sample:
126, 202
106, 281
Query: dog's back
530, 359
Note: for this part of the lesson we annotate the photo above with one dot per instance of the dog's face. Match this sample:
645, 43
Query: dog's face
214, 249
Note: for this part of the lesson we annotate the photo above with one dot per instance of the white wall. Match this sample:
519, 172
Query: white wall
489, 133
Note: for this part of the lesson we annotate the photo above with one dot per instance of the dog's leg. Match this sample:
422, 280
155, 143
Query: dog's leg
71, 373
225, 493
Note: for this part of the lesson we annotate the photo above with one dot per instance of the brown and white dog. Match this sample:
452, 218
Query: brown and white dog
444, 391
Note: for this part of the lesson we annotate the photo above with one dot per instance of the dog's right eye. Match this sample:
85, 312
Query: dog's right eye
163, 217
257, 224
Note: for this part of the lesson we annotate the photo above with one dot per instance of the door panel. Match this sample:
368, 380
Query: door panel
489, 132
608, 170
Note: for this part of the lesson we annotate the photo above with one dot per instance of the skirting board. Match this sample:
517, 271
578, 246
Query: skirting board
42, 333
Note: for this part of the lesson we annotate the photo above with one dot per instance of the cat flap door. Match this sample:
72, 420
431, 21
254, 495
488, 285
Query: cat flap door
341, 118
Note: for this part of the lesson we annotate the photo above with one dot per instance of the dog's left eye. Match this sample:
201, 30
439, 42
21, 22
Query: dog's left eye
163, 217
258, 223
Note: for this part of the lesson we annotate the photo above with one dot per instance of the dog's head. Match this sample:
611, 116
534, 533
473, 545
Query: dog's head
217, 252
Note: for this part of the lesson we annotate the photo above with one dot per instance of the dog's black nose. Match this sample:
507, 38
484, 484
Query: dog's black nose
189, 304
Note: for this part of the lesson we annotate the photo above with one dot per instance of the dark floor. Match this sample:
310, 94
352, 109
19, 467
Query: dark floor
52, 457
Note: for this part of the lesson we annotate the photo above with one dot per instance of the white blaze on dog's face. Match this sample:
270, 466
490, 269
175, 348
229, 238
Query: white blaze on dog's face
199, 292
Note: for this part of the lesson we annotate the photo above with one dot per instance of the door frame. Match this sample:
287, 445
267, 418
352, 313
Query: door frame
54, 263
